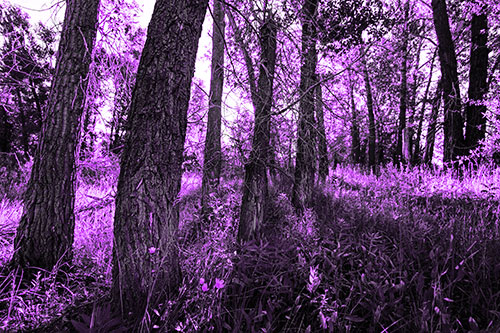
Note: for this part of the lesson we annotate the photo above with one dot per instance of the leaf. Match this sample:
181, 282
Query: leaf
355, 319
80, 327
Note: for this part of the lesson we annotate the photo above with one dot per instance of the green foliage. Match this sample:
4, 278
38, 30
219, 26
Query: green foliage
100, 321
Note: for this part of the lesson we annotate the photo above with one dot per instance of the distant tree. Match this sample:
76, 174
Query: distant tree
432, 127
453, 120
305, 162
212, 154
255, 187
355, 139
25, 71
46, 230
145, 254
323, 163
372, 134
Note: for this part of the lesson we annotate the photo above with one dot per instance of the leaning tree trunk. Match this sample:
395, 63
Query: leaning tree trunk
212, 153
417, 159
372, 135
305, 162
475, 110
322, 146
432, 127
145, 253
46, 230
453, 120
255, 183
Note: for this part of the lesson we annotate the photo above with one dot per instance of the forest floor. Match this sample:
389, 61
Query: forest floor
407, 251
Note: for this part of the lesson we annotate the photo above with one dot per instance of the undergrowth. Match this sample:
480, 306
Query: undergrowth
404, 251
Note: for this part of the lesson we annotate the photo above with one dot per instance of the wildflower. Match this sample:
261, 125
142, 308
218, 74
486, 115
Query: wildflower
204, 287
219, 283
152, 250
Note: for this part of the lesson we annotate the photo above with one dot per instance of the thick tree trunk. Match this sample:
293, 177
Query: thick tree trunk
45, 233
453, 120
356, 141
372, 135
305, 163
478, 88
323, 164
145, 253
255, 184
212, 153
432, 127
403, 91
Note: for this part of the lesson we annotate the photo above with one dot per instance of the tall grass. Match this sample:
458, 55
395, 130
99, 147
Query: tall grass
402, 251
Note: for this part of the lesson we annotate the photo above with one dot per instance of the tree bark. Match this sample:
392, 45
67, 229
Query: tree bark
403, 91
356, 141
255, 184
305, 163
46, 230
145, 254
431, 130
5, 131
212, 153
478, 87
372, 135
453, 120
323, 164
416, 153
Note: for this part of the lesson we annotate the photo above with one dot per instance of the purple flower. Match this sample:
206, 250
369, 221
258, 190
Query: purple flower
219, 283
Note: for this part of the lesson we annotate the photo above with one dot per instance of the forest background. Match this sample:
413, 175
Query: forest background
327, 114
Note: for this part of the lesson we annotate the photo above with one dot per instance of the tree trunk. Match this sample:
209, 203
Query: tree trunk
372, 135
22, 120
478, 88
255, 184
416, 153
212, 153
356, 141
453, 120
403, 91
5, 131
305, 163
46, 230
145, 253
323, 164
431, 130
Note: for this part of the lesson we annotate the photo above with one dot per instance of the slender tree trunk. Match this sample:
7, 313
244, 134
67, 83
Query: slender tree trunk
323, 164
372, 135
432, 128
212, 153
145, 253
5, 131
356, 141
305, 163
46, 230
22, 120
403, 91
416, 152
475, 110
255, 188
453, 120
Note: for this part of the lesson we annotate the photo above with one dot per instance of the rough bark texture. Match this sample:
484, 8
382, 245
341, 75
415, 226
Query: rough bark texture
403, 91
45, 232
478, 88
323, 163
432, 128
145, 253
372, 135
212, 153
453, 120
305, 163
255, 183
